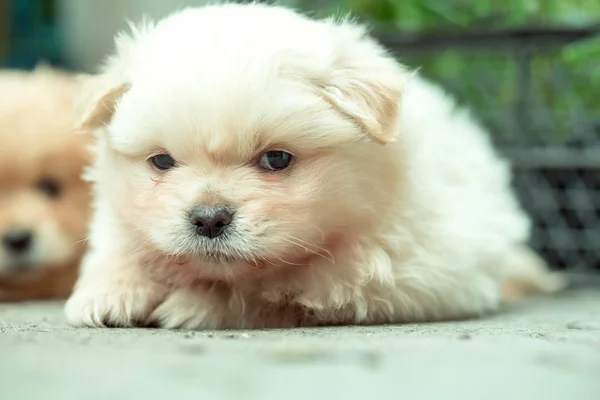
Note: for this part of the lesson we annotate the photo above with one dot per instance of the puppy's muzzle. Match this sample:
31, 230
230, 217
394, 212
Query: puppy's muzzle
211, 222
17, 241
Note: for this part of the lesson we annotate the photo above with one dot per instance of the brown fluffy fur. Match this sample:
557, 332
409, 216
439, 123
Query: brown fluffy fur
36, 131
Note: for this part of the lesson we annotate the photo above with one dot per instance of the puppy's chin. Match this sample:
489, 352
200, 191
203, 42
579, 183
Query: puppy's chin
60, 256
223, 266
24, 267
15, 268
187, 269
200, 255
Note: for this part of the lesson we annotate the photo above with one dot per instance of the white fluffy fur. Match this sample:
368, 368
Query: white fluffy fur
424, 227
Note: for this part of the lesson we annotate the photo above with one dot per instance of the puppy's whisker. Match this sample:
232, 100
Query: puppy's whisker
303, 223
318, 229
284, 261
138, 243
297, 239
154, 259
82, 241
269, 262
321, 252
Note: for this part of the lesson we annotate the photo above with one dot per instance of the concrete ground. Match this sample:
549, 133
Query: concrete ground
544, 349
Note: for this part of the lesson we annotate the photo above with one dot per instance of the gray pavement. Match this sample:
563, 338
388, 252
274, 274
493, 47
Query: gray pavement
547, 348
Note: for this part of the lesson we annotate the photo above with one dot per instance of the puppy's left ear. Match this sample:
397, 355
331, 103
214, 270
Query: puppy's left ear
101, 93
97, 103
366, 84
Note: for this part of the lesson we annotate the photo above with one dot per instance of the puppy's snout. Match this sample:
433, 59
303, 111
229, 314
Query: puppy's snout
17, 240
210, 222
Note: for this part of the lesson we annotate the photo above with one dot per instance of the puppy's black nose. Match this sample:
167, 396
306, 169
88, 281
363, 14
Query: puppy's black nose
210, 222
17, 241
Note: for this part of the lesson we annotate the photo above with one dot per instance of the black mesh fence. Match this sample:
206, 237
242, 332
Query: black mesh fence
531, 99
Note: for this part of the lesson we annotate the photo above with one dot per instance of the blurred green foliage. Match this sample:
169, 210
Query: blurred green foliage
469, 14
563, 95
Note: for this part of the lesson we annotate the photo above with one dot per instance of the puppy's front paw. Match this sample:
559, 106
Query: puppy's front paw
110, 304
185, 309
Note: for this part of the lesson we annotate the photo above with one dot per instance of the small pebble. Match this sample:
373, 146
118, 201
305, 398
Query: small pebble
538, 335
575, 325
85, 340
194, 349
298, 355
464, 336
366, 358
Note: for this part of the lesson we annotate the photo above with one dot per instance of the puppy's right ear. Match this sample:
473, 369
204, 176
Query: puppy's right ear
98, 101
101, 93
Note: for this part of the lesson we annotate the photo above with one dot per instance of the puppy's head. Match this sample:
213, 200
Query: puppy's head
43, 200
246, 138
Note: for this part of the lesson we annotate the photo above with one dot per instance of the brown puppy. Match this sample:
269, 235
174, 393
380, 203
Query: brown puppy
44, 202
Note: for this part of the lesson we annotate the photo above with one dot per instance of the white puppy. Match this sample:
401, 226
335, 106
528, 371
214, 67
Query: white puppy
256, 168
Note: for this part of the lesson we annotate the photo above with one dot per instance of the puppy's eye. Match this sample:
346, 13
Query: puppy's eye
275, 160
49, 187
162, 162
